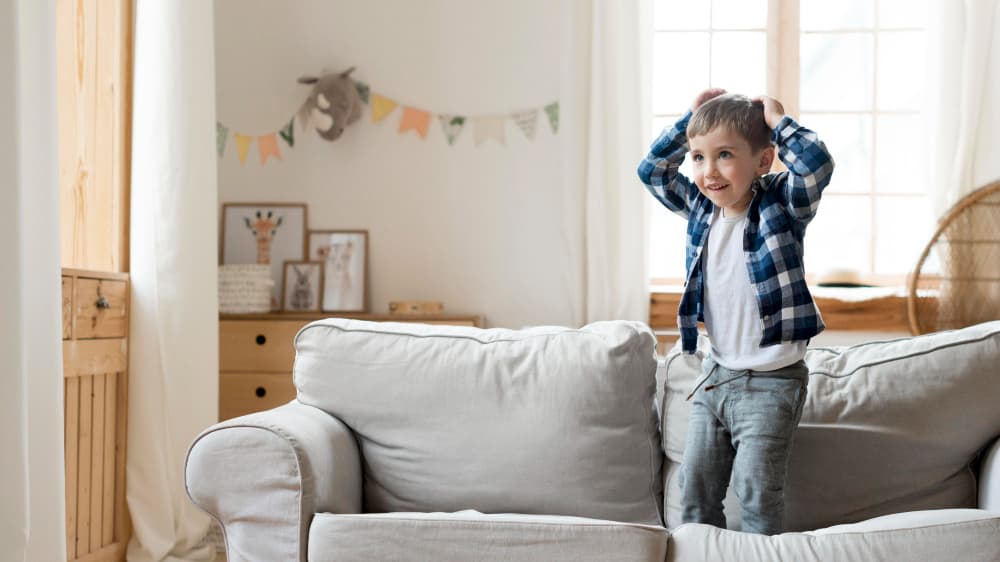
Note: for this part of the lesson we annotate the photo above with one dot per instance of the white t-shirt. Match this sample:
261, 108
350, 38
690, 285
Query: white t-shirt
732, 317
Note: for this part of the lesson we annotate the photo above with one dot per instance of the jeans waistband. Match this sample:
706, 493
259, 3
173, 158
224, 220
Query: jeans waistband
795, 371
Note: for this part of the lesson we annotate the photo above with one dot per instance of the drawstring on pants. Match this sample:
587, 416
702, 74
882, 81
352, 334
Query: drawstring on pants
716, 385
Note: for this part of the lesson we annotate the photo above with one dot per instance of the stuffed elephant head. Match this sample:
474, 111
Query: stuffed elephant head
333, 103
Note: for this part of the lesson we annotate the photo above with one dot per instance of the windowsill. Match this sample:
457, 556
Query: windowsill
872, 309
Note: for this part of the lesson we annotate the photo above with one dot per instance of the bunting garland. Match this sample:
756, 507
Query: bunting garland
486, 128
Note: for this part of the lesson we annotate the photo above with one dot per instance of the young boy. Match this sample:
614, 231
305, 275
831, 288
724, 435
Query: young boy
745, 280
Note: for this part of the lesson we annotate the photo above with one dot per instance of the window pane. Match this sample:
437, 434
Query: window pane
739, 61
849, 140
669, 238
678, 79
899, 158
839, 236
836, 71
901, 64
904, 226
902, 13
845, 14
680, 14
738, 14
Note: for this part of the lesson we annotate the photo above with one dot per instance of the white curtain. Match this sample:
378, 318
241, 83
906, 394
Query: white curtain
173, 390
606, 114
963, 98
32, 483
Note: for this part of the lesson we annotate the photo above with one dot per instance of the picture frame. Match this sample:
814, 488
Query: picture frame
270, 233
302, 281
344, 254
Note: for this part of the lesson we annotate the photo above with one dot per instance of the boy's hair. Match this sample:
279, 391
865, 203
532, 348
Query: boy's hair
743, 117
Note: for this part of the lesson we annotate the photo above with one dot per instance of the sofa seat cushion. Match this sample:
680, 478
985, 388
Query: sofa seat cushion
470, 535
948, 534
543, 420
887, 427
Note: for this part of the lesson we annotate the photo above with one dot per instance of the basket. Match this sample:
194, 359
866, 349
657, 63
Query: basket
245, 288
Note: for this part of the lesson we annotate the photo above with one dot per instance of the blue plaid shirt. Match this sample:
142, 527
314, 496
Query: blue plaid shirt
782, 206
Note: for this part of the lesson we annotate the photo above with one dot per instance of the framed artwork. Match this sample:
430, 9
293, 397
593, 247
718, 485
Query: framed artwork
264, 233
303, 283
344, 254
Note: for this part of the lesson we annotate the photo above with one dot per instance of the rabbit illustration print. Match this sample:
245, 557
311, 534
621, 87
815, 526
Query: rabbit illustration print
303, 286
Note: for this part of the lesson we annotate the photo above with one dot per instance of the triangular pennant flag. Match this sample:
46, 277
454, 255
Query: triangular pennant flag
268, 146
243, 143
221, 134
288, 132
526, 120
452, 126
489, 127
363, 90
552, 110
381, 106
416, 119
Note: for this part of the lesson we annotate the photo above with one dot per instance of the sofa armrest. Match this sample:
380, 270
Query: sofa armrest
989, 479
264, 475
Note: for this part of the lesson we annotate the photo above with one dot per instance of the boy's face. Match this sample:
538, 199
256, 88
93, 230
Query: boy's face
725, 166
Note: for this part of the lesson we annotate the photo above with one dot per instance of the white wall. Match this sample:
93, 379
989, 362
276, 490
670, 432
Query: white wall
481, 229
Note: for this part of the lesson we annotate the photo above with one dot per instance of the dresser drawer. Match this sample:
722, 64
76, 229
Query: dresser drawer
67, 307
258, 346
99, 308
244, 393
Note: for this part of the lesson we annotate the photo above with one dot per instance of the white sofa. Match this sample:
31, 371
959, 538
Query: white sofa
417, 442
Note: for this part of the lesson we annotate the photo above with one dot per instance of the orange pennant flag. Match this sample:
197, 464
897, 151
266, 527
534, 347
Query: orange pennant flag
381, 106
268, 146
243, 145
415, 119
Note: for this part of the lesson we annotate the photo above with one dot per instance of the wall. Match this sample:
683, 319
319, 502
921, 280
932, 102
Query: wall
480, 228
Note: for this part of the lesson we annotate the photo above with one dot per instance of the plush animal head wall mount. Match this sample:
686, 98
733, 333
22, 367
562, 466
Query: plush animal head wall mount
332, 105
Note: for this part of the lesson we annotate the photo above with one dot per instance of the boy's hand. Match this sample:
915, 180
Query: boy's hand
773, 110
705, 96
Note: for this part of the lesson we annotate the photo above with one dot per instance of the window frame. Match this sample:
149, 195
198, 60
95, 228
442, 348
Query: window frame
783, 33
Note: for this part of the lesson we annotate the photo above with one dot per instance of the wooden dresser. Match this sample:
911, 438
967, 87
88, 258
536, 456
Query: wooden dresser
95, 376
256, 355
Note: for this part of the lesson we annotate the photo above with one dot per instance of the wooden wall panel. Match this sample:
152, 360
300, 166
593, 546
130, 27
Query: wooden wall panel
93, 58
96, 393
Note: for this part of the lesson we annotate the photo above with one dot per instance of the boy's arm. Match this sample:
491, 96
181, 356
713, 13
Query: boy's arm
809, 164
659, 170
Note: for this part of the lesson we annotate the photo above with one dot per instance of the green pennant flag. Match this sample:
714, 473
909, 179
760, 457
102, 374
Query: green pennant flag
363, 90
552, 110
221, 134
288, 132
451, 125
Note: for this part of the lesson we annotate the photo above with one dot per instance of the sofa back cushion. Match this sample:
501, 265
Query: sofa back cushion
539, 421
887, 426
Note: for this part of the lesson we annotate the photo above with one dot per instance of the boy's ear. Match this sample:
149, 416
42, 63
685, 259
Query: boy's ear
766, 159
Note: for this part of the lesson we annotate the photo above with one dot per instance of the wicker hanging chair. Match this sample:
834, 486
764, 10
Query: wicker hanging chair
956, 282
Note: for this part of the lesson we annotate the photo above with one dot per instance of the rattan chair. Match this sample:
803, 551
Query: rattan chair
956, 281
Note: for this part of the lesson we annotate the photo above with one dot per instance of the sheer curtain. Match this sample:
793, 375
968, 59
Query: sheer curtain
606, 111
963, 103
173, 390
32, 484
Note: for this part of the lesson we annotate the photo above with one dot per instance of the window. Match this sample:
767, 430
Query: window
849, 70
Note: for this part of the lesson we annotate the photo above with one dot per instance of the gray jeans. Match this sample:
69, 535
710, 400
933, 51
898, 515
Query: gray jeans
742, 423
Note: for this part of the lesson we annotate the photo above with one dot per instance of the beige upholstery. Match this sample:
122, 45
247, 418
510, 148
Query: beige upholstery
543, 420
469, 535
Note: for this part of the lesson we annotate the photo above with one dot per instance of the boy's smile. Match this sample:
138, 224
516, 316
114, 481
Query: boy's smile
725, 166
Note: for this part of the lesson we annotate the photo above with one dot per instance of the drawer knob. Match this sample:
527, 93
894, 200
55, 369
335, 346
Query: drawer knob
102, 303
260, 392
261, 340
